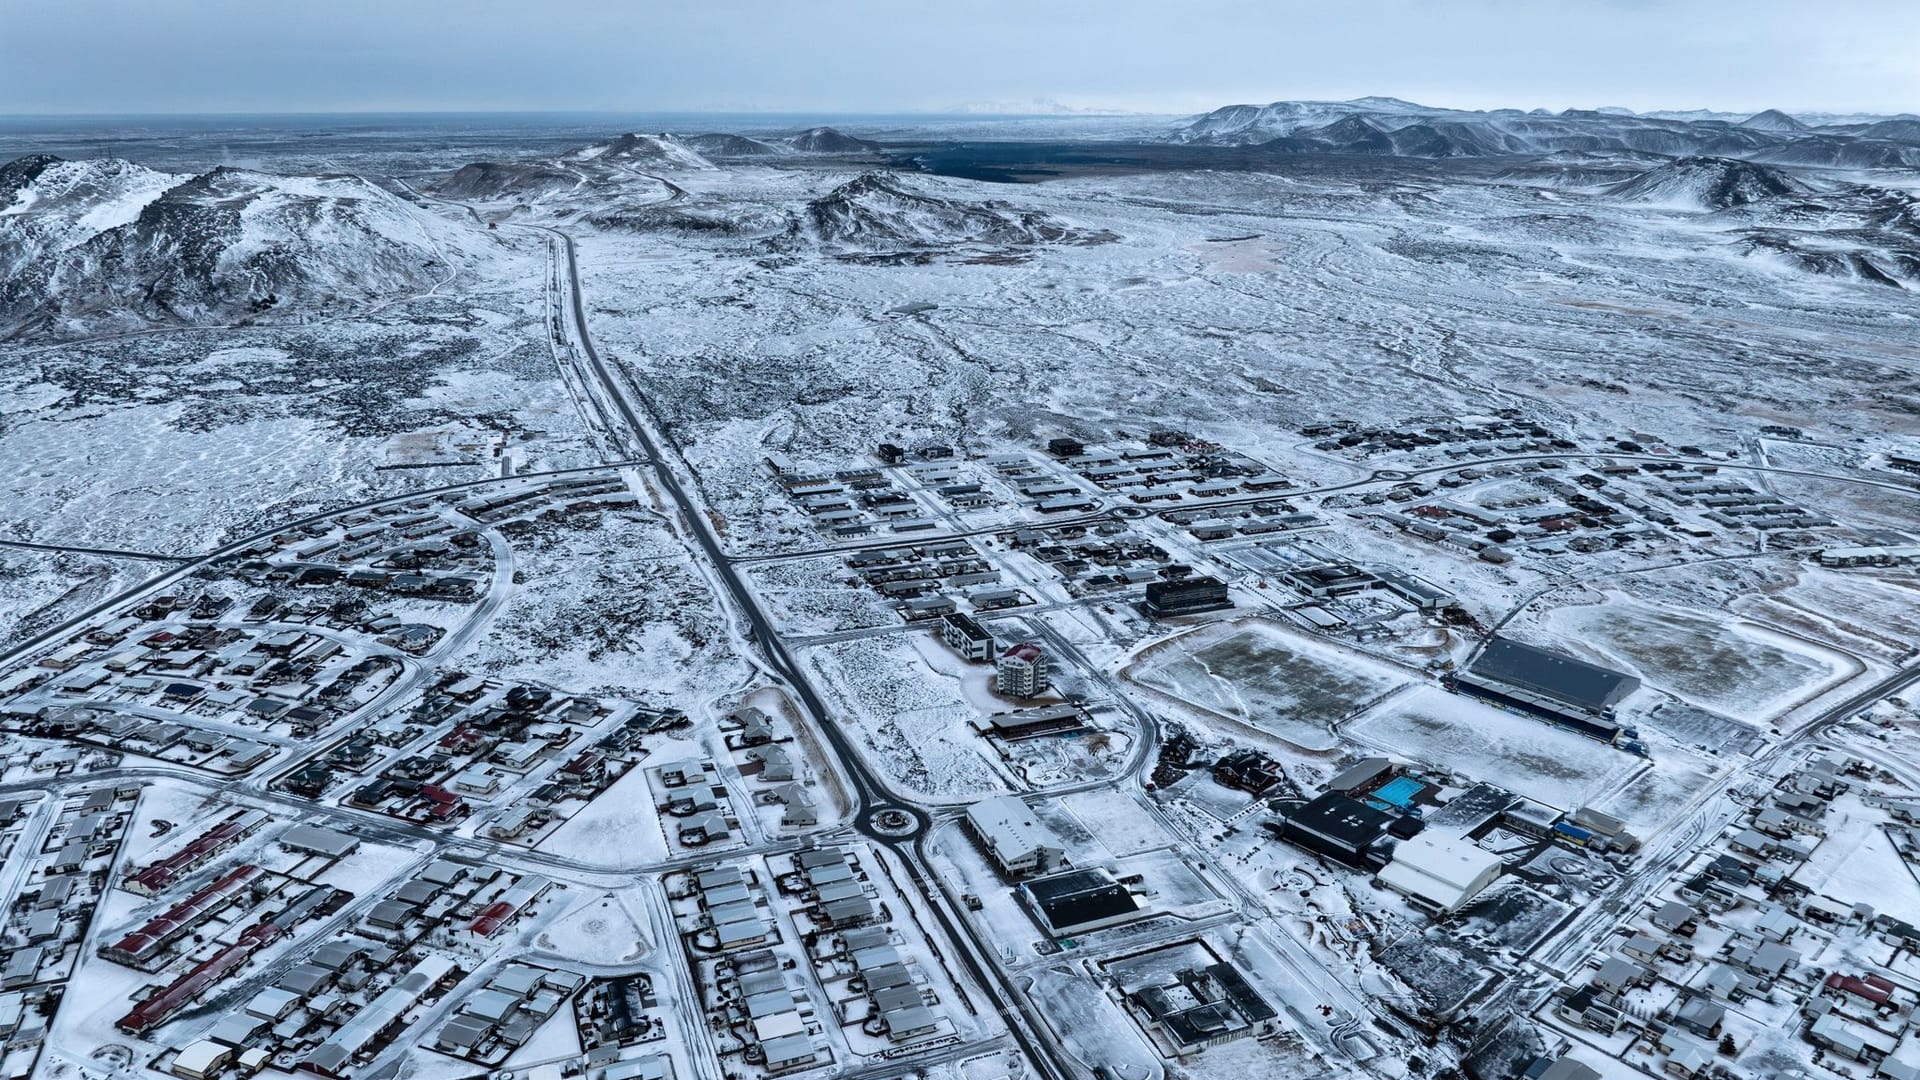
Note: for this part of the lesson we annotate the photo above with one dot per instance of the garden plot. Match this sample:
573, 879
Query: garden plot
1524, 755
911, 721
1272, 680
1733, 667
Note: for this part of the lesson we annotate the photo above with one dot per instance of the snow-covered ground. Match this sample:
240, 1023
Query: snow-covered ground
806, 308
1461, 734
1268, 678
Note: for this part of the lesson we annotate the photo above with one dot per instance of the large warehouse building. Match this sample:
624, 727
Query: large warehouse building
1550, 685
1016, 840
1440, 873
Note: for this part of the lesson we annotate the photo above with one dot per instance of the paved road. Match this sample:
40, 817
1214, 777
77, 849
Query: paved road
873, 795
112, 553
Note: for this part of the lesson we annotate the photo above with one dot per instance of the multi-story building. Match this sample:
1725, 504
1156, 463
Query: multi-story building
1022, 671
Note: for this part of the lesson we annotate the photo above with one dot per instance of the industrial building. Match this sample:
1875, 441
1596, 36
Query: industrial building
1016, 841
1074, 902
1440, 873
1019, 725
1344, 829
1197, 1007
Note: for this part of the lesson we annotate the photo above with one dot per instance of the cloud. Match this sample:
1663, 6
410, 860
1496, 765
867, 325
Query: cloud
869, 56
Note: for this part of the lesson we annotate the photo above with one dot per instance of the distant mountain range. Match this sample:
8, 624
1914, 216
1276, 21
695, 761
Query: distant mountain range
1390, 127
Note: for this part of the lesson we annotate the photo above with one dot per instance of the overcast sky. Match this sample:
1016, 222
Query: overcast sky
115, 56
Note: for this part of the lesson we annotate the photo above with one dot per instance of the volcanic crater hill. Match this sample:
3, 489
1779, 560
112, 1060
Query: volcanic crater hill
707, 216
130, 248
826, 140
635, 150
1774, 120
1391, 127
494, 180
1852, 231
48, 204
877, 214
720, 145
1896, 267
1708, 183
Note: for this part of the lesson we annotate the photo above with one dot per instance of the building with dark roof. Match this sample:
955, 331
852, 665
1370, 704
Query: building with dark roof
1248, 770
967, 637
1186, 596
1203, 1006
1080, 901
1553, 686
1360, 774
1341, 828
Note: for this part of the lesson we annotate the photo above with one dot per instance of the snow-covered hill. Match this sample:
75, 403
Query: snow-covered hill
1706, 183
490, 180
825, 140
102, 245
48, 205
879, 215
1773, 120
722, 145
664, 151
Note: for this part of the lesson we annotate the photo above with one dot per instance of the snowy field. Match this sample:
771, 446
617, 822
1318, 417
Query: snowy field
619, 828
912, 720
1115, 821
1654, 795
809, 596
1856, 862
184, 440
39, 589
1371, 298
1266, 677
1876, 614
1526, 756
1743, 670
609, 602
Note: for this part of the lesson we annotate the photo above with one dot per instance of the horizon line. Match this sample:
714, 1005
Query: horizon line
1088, 113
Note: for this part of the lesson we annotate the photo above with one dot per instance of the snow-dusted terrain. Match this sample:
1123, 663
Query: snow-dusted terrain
569, 525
